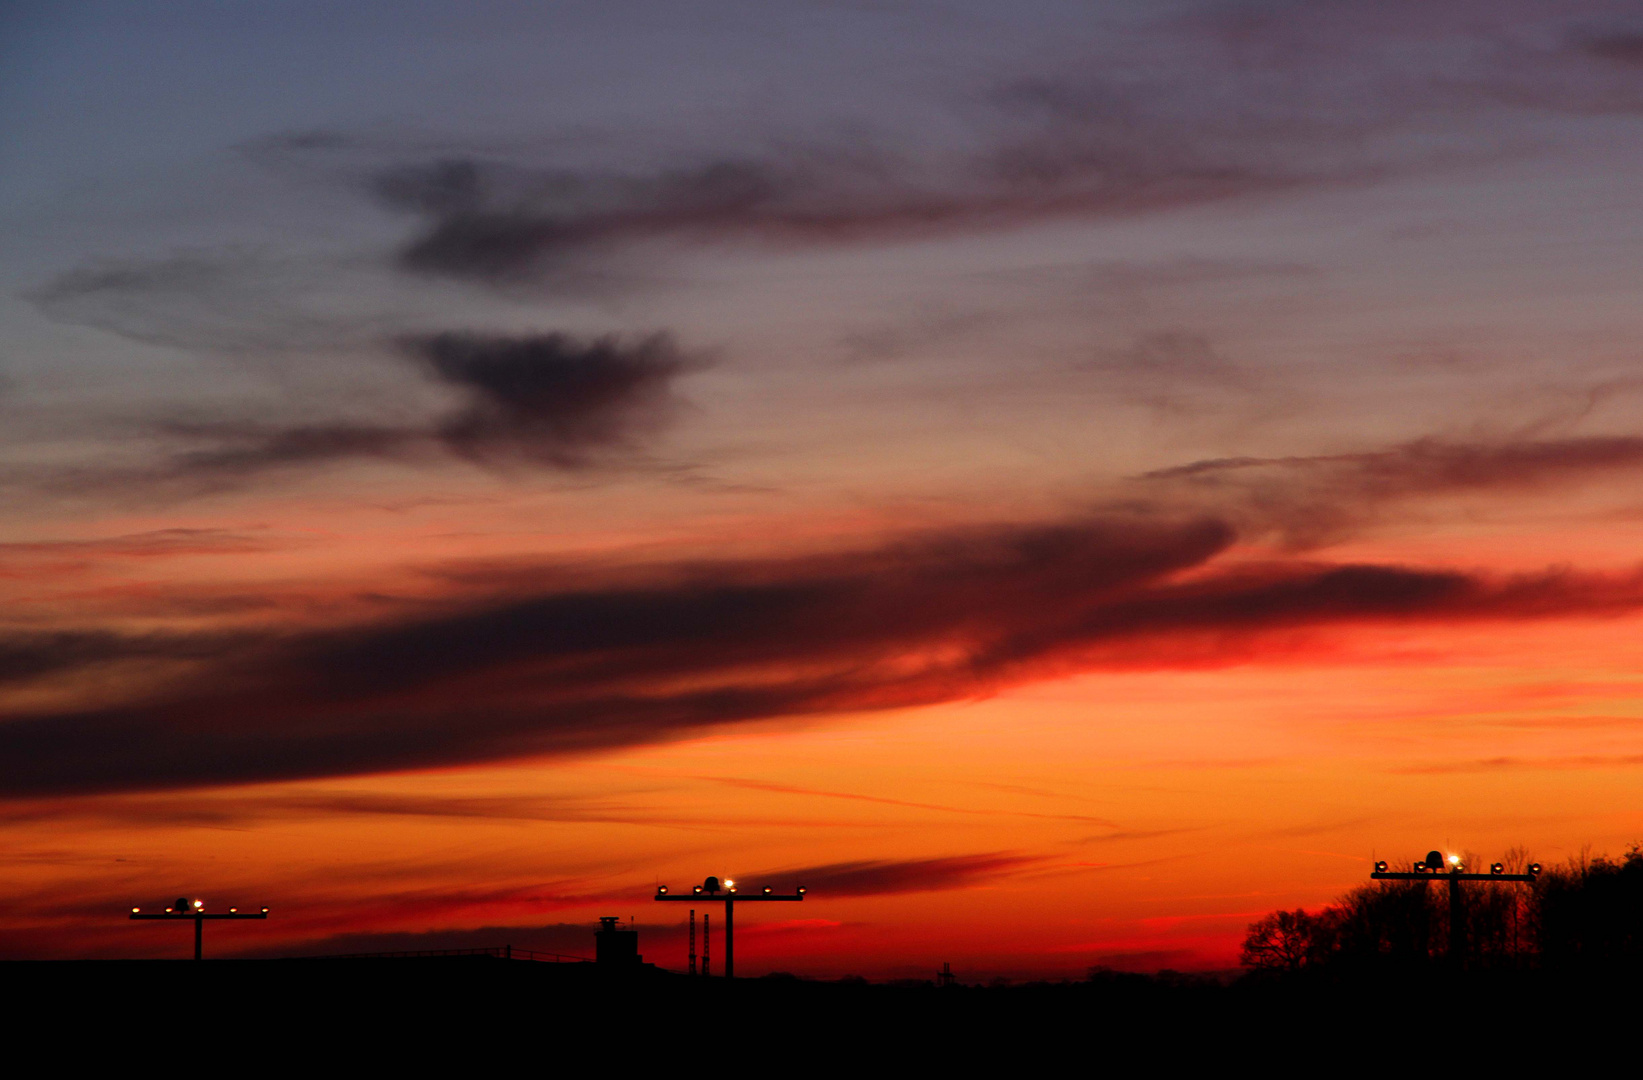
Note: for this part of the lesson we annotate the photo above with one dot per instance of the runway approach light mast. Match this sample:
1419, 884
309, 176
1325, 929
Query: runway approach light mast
185, 908
1438, 867
710, 889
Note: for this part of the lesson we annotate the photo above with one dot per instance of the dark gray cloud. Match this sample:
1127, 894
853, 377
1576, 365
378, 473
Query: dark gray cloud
1030, 148
1225, 102
501, 221
1317, 497
1431, 465
577, 664
552, 397
551, 400
1620, 47
495, 219
1388, 60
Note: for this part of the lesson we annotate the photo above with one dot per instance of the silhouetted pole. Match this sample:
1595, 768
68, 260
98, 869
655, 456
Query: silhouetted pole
1457, 921
693, 941
1431, 868
710, 888
185, 908
705, 949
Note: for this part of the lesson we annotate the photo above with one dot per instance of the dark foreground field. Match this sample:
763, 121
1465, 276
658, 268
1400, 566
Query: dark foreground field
345, 1015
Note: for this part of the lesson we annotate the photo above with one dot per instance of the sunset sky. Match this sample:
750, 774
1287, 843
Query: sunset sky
1058, 480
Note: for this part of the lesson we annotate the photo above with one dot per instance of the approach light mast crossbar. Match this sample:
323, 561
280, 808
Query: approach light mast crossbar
1431, 868
185, 908
709, 890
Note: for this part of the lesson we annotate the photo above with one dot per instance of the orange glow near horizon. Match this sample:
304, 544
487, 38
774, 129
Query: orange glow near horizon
1130, 819
1063, 480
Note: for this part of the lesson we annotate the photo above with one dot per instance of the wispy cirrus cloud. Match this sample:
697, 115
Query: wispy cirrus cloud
850, 796
1194, 108
1571, 762
1313, 498
153, 544
497, 221
1431, 465
881, 877
234, 300
243, 810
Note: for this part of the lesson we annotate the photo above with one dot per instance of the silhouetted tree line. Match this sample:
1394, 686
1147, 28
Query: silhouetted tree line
1587, 913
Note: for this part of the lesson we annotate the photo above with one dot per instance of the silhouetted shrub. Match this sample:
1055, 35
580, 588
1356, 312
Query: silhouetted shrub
1591, 913
1388, 923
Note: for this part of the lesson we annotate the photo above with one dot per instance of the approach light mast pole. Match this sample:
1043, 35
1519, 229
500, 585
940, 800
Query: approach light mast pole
709, 890
185, 908
1431, 868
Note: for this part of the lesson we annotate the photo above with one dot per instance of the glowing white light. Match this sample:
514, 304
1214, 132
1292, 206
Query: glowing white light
729, 883
1454, 859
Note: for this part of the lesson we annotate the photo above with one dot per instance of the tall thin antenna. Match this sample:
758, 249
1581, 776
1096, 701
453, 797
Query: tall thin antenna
693, 941
706, 919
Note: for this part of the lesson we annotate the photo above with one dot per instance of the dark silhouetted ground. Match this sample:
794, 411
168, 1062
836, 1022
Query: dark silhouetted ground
339, 1017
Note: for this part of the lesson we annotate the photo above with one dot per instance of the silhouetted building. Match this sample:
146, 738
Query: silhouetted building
614, 945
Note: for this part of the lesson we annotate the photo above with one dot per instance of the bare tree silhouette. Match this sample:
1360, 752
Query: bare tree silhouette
1283, 941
